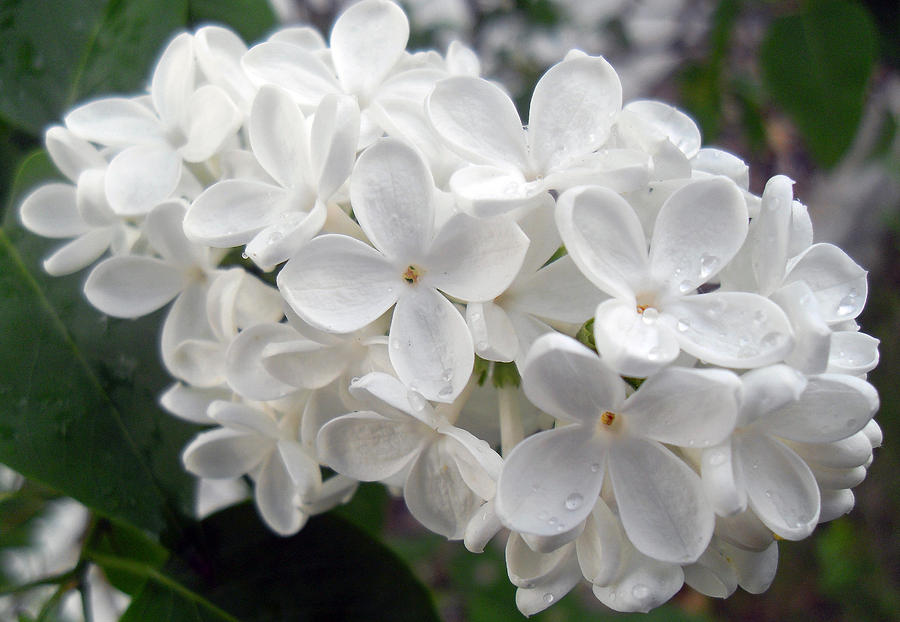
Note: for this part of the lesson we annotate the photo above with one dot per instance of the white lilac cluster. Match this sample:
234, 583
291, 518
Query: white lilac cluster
435, 261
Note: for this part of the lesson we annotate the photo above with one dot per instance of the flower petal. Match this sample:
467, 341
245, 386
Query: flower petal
661, 502
572, 110
782, 490
852, 353
224, 453
557, 292
212, 118
685, 407
368, 447
812, 336
478, 121
645, 583
291, 67
565, 379
304, 363
632, 343
772, 232
230, 212
339, 284
837, 282
475, 260
366, 41
551, 480
731, 329
697, 232
132, 286
140, 177
392, 193
116, 122
333, 138
274, 493
430, 345
244, 367
278, 135
492, 331
722, 482
173, 80
436, 493
51, 211
79, 253
605, 239
670, 122
71, 155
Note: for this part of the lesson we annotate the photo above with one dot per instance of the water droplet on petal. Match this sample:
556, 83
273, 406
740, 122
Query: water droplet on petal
653, 354
708, 264
650, 315
772, 340
685, 286
640, 591
447, 374
716, 458
769, 494
552, 520
244, 255
574, 501
476, 316
416, 401
595, 467
446, 391
683, 326
549, 598
847, 305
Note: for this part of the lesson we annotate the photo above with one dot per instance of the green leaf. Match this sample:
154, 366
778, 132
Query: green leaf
816, 65
252, 19
124, 541
78, 390
60, 52
329, 571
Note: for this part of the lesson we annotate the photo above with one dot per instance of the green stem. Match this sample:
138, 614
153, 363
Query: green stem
58, 579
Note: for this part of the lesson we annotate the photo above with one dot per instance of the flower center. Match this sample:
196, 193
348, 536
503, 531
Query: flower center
607, 418
609, 422
412, 274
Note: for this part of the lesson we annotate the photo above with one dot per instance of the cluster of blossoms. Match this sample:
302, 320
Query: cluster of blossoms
587, 331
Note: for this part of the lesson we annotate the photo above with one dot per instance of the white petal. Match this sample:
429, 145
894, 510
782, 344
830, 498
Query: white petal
219, 52
301, 467
604, 237
191, 403
557, 292
212, 118
620, 170
475, 260
71, 155
140, 177
732, 329
837, 479
832, 407
339, 284
756, 570
91, 198
837, 282
719, 162
661, 502
836, 503
812, 336
245, 419
278, 135
530, 601
274, 495
291, 67
165, 233
198, 361
491, 190
565, 379
186, 320
173, 80
670, 122
483, 526
644, 585
600, 548
366, 42
847, 453
713, 574
304, 363
632, 343
772, 233
721, 482
392, 192
224, 453
79, 253
369, 447
430, 345
229, 213
333, 138
698, 230
572, 109
132, 286
492, 331
478, 121
685, 407
281, 239
116, 122
782, 490
473, 453
852, 353
436, 494
244, 366
768, 389
391, 398
50, 211
551, 480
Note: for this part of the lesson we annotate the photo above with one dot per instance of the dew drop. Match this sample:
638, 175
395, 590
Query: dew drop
759, 318
395, 344
755, 466
390, 290
542, 515
574, 501
708, 263
650, 315
446, 391
769, 494
716, 458
595, 467
245, 256
476, 316
482, 345
685, 286
772, 340
640, 591
552, 520
549, 598
354, 380
847, 305
447, 374
275, 237
416, 401
683, 326
653, 354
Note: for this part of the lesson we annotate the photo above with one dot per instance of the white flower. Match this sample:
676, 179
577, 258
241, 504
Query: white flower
446, 471
551, 481
656, 311
339, 284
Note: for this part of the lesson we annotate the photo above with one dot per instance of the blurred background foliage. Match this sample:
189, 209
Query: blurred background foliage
810, 89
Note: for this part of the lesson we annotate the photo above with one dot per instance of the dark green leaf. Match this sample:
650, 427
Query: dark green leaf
328, 571
57, 53
124, 541
78, 390
251, 18
816, 65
